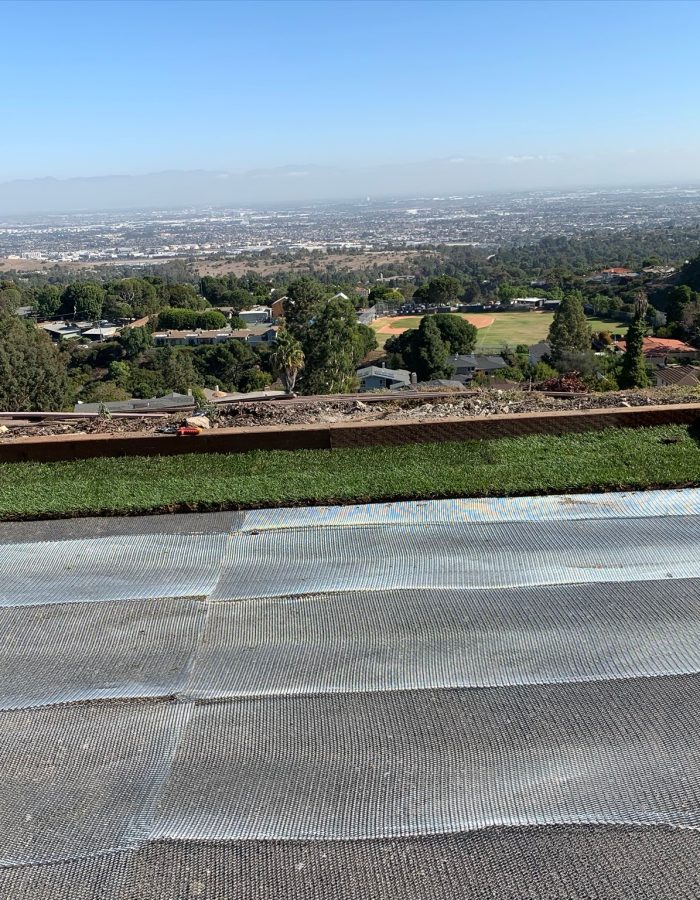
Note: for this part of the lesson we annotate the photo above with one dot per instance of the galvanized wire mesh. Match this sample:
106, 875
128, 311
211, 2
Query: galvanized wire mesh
459, 555
124, 567
395, 763
462, 699
60, 653
400, 639
84, 778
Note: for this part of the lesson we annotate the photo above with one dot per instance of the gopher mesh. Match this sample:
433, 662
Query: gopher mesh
562, 863
79, 779
467, 700
110, 568
372, 557
84, 651
423, 762
104, 877
624, 505
388, 640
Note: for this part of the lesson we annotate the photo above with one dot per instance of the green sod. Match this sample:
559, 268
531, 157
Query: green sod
604, 460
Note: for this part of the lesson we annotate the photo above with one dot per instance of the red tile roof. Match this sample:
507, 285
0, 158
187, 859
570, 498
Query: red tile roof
654, 345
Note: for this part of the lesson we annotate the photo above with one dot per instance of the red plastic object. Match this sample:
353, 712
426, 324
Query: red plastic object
188, 429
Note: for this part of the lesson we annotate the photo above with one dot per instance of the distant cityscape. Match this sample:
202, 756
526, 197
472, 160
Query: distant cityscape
486, 221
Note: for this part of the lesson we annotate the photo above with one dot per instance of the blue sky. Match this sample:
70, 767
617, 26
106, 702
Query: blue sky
91, 88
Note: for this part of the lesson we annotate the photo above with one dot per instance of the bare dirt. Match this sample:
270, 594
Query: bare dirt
302, 264
399, 324
317, 411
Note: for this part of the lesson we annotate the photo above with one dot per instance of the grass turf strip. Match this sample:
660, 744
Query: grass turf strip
603, 460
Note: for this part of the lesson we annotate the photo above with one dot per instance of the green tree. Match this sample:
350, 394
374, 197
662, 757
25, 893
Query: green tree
10, 297
176, 368
139, 295
365, 341
33, 374
179, 318
678, 298
104, 392
135, 341
457, 333
569, 331
147, 383
224, 364
432, 352
254, 380
330, 346
306, 298
120, 373
47, 300
287, 359
421, 293
183, 295
83, 299
387, 296
443, 290
690, 273
458, 336
633, 372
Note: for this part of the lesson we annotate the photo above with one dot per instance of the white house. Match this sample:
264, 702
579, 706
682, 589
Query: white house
256, 315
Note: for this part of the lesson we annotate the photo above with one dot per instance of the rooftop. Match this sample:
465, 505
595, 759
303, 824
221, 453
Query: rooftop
383, 372
653, 345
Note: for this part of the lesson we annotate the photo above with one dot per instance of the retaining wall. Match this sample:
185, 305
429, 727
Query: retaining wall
332, 436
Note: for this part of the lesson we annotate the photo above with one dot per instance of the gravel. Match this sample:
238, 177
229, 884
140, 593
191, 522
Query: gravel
298, 412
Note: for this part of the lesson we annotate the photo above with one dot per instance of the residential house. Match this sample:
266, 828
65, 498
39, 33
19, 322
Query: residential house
170, 401
615, 274
256, 334
196, 338
677, 376
537, 352
468, 365
60, 331
104, 331
374, 378
277, 307
256, 315
659, 349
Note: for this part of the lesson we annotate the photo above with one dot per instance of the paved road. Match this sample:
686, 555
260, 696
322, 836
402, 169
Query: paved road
459, 699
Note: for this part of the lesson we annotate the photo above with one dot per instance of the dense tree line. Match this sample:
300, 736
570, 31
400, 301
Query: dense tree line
322, 343
33, 374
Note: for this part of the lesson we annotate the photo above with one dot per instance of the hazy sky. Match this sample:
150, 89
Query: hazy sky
568, 91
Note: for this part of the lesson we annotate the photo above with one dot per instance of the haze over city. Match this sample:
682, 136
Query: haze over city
240, 103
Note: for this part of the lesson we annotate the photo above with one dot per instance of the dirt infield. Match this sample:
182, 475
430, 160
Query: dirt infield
399, 324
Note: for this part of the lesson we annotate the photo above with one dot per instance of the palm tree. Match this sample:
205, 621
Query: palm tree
287, 358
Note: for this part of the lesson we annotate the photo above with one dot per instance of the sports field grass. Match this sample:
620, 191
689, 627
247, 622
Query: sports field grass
604, 460
508, 328
515, 328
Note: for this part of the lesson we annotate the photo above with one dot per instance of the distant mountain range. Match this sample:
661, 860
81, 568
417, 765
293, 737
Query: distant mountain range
301, 183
